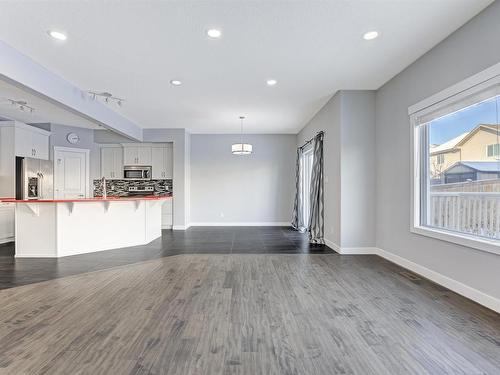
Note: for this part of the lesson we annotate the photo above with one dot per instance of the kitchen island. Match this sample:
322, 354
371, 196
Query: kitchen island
57, 228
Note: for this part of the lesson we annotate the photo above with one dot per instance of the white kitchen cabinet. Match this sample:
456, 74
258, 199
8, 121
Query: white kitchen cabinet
7, 219
23, 145
144, 155
136, 155
129, 155
30, 142
40, 144
162, 163
169, 162
112, 162
19, 139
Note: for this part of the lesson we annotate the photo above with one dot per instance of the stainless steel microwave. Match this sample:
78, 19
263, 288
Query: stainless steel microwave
137, 172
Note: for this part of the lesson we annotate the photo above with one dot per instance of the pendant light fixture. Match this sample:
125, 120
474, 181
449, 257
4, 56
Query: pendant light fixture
241, 148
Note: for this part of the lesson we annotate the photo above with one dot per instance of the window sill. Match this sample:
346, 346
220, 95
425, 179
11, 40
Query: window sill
483, 244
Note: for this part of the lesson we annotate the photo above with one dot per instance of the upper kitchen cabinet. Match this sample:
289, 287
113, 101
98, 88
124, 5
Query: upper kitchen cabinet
136, 155
112, 162
162, 165
19, 139
24, 140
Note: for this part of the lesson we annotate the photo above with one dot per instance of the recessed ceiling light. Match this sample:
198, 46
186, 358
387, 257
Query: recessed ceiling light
271, 82
175, 82
57, 35
370, 35
214, 33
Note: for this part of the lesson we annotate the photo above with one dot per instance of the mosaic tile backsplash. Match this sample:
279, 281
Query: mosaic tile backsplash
119, 188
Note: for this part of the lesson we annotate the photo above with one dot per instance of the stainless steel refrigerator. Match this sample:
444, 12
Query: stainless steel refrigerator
34, 179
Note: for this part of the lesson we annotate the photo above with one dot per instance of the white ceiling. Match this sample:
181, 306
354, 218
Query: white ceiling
44, 110
313, 48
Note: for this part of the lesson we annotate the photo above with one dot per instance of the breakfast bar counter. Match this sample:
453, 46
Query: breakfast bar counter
57, 228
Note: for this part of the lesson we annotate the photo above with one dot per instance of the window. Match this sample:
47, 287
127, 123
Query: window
457, 197
493, 150
306, 162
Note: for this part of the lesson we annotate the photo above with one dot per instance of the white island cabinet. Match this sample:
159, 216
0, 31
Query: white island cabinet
6, 222
57, 228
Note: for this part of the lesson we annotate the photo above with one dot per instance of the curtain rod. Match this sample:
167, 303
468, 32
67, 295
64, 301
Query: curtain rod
312, 139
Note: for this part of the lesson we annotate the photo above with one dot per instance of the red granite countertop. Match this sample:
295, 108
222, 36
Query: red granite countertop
95, 199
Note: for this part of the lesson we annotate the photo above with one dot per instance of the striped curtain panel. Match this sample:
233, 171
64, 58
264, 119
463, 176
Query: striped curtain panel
297, 204
316, 218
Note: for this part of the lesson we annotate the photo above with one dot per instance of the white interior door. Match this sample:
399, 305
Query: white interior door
71, 173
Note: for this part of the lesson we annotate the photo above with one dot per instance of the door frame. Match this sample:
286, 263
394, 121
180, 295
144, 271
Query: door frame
85, 151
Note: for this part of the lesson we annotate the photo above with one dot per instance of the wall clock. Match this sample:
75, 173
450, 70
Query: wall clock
73, 138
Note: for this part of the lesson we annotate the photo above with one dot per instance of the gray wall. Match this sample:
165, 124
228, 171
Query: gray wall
357, 169
244, 189
328, 119
58, 138
181, 177
471, 49
348, 120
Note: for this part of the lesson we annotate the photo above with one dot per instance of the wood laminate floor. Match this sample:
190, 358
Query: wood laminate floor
252, 313
197, 240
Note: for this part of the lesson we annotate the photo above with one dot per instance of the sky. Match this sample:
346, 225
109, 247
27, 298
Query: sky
452, 125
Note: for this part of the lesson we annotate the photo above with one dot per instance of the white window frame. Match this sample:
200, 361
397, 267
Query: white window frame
461, 90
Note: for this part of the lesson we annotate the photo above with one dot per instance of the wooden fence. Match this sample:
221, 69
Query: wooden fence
470, 186
475, 213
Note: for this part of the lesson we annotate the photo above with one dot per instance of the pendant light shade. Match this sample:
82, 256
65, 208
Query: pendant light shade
241, 148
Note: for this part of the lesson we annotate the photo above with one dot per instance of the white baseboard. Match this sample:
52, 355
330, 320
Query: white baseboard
452, 284
36, 255
332, 245
358, 250
180, 227
244, 224
350, 250
7, 239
